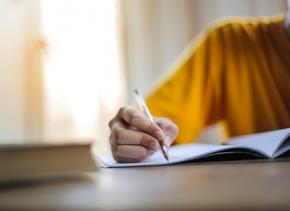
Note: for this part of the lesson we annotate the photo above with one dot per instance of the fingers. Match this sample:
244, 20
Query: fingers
169, 128
137, 119
134, 137
131, 153
123, 136
131, 145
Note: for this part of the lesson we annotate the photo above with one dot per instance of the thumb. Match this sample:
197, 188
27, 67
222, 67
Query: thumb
168, 140
170, 130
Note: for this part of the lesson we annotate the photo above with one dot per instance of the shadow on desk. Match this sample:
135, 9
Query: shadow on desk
52, 181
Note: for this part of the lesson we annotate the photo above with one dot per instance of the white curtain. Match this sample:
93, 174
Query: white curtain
20, 76
61, 70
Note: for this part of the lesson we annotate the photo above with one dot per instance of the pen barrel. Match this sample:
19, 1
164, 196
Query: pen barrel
142, 105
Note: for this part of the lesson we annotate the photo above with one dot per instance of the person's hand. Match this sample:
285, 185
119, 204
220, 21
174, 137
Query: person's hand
134, 137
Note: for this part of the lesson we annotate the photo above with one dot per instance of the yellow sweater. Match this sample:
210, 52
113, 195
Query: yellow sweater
236, 73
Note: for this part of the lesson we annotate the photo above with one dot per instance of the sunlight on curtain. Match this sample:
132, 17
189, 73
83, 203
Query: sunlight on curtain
83, 79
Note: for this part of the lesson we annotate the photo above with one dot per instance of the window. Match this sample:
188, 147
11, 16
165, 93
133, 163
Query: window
82, 70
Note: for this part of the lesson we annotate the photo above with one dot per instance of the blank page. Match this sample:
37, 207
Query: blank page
266, 142
177, 154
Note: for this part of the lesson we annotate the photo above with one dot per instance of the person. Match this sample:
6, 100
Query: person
237, 72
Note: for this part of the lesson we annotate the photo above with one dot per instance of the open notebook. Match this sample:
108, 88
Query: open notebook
267, 145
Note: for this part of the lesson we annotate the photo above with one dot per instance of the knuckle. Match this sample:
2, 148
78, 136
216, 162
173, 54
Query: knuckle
144, 140
118, 133
113, 143
111, 122
125, 110
134, 116
151, 127
122, 110
115, 129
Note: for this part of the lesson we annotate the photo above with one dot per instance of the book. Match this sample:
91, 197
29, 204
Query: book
265, 145
31, 161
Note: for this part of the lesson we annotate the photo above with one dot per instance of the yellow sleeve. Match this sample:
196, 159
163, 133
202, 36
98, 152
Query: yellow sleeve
191, 94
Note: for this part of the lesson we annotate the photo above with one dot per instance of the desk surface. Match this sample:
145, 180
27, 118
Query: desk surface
224, 186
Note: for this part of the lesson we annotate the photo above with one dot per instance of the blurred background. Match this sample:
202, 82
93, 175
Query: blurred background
66, 66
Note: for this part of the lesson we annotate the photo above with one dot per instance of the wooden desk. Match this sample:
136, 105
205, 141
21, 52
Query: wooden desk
222, 186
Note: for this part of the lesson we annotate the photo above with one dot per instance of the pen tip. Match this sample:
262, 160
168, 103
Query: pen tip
166, 157
136, 92
164, 152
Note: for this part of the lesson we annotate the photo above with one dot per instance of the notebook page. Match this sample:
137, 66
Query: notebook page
283, 147
266, 142
179, 153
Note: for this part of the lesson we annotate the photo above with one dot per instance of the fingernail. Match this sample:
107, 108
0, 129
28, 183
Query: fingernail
167, 141
154, 145
158, 134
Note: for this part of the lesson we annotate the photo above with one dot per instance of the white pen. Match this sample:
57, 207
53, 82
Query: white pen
141, 103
